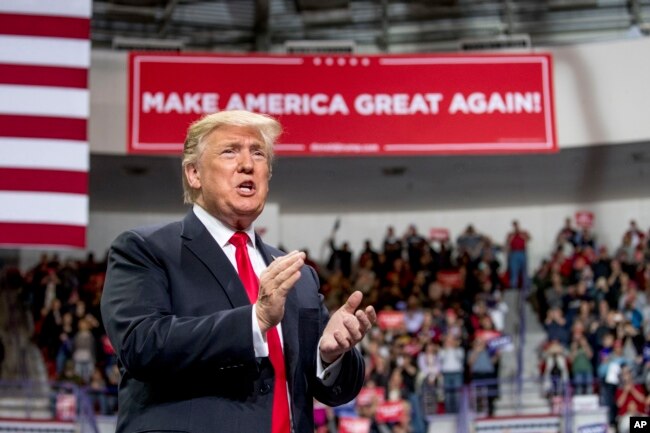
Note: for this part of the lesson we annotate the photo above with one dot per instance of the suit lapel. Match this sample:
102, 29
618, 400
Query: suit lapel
203, 246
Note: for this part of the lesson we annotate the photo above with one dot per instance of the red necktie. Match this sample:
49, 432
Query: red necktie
280, 422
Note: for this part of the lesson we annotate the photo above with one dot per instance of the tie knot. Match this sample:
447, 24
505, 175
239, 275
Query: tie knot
239, 239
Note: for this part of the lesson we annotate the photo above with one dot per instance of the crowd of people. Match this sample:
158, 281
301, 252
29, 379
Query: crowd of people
594, 306
62, 298
441, 319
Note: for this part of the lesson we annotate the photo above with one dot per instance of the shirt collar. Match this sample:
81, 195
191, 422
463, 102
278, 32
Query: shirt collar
218, 230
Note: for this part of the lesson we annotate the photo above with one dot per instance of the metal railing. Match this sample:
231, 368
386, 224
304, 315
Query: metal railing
56, 401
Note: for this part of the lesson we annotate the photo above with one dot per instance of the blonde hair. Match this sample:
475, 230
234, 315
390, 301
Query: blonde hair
269, 128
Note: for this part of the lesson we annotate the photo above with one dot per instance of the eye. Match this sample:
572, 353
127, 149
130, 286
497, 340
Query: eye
259, 153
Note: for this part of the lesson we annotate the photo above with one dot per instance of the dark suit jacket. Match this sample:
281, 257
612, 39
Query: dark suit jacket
180, 321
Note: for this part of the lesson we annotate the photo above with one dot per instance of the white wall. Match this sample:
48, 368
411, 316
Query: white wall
601, 95
602, 92
108, 96
542, 222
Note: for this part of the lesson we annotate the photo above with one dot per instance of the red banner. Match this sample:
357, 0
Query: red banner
390, 320
369, 395
66, 407
349, 424
585, 219
439, 234
368, 105
451, 279
390, 411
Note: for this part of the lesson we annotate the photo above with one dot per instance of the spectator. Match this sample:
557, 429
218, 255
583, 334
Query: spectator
556, 370
516, 243
567, 234
97, 392
414, 316
601, 266
585, 238
452, 358
609, 371
415, 244
635, 234
580, 357
66, 336
368, 253
614, 284
625, 252
366, 279
624, 421
428, 362
340, 259
84, 351
409, 373
470, 242
429, 381
629, 393
392, 246
482, 368
556, 327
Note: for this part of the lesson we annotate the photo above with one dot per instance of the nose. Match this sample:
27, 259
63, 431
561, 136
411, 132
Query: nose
246, 161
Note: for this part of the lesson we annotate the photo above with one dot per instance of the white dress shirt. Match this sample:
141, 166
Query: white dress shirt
222, 234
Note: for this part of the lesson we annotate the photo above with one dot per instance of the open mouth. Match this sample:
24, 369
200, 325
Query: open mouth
247, 187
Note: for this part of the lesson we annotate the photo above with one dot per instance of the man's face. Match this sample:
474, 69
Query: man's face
232, 174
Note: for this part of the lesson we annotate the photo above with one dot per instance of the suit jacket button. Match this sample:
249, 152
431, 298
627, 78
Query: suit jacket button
265, 388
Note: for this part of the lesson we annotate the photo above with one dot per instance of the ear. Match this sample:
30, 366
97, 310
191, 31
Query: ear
193, 176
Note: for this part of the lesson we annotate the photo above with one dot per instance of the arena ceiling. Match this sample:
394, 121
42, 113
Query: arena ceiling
372, 25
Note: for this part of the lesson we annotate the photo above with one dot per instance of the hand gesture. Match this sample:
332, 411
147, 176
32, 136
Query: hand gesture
276, 282
346, 328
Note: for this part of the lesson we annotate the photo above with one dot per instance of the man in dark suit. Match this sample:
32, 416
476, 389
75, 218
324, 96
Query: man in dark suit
216, 331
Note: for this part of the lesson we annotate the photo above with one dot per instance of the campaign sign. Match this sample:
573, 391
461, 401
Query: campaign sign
452, 279
354, 425
593, 428
351, 104
390, 411
499, 344
585, 219
367, 395
66, 407
390, 320
439, 234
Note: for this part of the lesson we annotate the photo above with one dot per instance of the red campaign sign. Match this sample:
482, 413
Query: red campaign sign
487, 335
451, 279
66, 407
390, 320
354, 425
367, 395
585, 219
353, 105
412, 349
439, 234
391, 411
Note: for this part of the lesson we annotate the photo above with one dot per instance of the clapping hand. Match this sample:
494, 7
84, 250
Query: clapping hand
346, 327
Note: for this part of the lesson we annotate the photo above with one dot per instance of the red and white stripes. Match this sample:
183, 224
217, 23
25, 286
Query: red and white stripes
44, 109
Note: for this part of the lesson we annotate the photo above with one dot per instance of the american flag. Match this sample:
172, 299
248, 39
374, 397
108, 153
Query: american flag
44, 105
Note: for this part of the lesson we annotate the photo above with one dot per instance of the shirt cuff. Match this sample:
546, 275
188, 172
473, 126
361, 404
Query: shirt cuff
259, 342
329, 374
